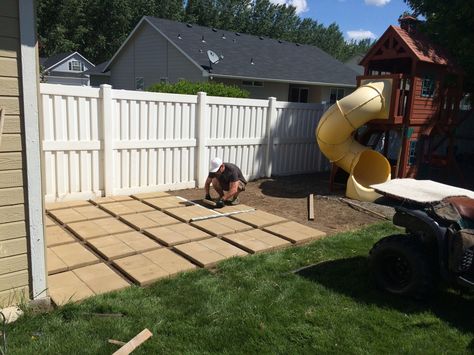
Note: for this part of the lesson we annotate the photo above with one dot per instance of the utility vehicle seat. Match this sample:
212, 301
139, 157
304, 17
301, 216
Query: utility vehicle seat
464, 206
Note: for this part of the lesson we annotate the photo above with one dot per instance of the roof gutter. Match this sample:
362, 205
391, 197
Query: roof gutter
302, 82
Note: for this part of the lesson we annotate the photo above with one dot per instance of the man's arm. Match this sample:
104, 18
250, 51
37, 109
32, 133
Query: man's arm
233, 188
207, 185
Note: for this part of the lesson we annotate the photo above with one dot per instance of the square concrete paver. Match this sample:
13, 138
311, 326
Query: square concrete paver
53, 263
98, 228
67, 287
77, 214
126, 207
144, 220
140, 269
56, 235
48, 221
165, 203
176, 234
258, 219
221, 225
169, 261
256, 240
207, 253
295, 232
236, 208
110, 247
51, 206
186, 214
148, 195
74, 255
108, 199
138, 241
121, 245
100, 278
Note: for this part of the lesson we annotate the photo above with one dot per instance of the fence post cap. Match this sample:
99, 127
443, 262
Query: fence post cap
105, 86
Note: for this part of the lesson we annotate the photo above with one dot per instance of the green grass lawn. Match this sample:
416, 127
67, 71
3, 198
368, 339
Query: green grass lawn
256, 305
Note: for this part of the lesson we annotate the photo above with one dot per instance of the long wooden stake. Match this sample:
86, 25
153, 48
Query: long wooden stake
311, 207
362, 208
208, 202
135, 342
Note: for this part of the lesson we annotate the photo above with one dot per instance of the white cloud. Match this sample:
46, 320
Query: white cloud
300, 5
358, 35
377, 2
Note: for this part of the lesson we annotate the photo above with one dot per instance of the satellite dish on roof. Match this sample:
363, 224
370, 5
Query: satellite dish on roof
213, 57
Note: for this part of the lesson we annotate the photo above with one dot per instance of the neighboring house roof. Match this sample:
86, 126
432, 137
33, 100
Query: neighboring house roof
98, 70
55, 59
273, 60
353, 63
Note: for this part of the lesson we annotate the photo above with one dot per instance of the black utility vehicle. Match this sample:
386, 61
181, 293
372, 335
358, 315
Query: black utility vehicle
438, 245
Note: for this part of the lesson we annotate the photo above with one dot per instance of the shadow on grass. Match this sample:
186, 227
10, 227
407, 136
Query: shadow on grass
351, 277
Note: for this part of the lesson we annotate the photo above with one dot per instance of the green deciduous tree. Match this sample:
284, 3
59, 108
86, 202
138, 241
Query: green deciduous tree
96, 28
450, 24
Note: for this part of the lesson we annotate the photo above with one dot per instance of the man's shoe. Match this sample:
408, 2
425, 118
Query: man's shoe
235, 201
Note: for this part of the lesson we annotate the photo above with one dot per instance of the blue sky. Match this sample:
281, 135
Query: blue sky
357, 19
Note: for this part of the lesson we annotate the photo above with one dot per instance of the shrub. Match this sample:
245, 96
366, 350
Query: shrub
189, 88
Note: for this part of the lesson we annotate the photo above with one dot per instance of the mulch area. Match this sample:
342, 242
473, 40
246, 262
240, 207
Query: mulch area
288, 197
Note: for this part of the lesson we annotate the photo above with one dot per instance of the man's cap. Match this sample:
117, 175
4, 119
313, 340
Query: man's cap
215, 165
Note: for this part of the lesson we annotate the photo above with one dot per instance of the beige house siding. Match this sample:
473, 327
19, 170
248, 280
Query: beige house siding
14, 274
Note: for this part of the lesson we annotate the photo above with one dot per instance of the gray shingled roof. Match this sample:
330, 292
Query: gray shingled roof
56, 58
98, 70
273, 59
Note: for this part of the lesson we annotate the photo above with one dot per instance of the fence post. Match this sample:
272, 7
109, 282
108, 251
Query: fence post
271, 119
201, 119
107, 135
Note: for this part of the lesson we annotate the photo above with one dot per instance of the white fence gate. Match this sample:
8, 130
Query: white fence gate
109, 142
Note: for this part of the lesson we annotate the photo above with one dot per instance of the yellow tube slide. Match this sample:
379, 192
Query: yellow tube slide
335, 137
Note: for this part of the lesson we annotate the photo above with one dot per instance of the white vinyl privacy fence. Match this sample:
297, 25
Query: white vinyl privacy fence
107, 142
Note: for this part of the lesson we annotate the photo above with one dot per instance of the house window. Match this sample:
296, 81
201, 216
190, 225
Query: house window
298, 94
258, 84
139, 83
336, 94
427, 86
75, 65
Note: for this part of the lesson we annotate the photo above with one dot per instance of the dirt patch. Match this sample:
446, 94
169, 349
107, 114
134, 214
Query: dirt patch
288, 197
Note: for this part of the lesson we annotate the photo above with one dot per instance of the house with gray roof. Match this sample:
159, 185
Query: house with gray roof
97, 75
160, 50
65, 68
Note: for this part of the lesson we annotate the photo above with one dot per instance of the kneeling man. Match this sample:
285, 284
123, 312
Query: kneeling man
227, 180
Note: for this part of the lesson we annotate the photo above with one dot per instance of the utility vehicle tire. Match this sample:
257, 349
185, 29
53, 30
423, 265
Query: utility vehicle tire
400, 267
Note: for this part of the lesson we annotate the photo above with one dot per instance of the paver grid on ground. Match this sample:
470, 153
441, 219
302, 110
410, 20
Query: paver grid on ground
108, 243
